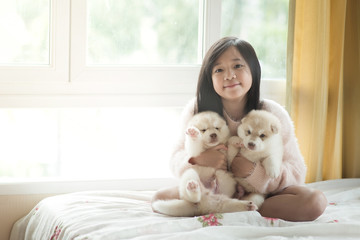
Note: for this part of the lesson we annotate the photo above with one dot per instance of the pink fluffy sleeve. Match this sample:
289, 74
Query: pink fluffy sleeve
293, 167
179, 158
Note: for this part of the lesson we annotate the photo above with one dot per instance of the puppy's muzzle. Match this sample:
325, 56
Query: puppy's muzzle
213, 136
251, 145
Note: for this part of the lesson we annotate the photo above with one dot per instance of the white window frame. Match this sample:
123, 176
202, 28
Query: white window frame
23, 187
14, 78
68, 82
144, 83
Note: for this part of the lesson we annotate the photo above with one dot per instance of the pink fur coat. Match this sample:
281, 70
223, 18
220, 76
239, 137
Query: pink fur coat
293, 168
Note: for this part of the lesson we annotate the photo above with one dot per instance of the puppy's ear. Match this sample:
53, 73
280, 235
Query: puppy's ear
243, 119
274, 128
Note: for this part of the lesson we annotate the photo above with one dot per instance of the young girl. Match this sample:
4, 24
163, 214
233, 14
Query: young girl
229, 84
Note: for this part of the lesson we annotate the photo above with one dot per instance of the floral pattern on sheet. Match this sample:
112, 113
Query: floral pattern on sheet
272, 221
210, 219
334, 204
35, 210
56, 233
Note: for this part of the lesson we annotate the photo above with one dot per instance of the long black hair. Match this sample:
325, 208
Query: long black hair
207, 98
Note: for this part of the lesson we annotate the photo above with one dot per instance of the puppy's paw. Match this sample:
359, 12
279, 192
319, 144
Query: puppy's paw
192, 186
271, 167
193, 191
254, 199
235, 141
251, 207
193, 132
272, 171
242, 205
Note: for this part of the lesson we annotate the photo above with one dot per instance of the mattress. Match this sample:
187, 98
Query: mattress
128, 215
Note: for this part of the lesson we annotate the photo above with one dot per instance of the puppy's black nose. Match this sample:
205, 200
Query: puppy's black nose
251, 145
213, 136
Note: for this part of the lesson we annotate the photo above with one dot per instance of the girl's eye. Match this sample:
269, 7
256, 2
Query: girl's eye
218, 70
239, 66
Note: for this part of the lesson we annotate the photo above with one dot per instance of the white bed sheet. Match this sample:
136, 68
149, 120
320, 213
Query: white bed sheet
128, 215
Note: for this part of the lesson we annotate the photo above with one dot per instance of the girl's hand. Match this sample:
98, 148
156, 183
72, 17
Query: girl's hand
241, 167
213, 157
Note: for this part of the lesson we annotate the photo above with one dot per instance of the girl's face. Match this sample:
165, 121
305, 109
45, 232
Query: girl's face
231, 75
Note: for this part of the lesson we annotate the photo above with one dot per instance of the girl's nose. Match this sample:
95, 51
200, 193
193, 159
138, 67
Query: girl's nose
230, 76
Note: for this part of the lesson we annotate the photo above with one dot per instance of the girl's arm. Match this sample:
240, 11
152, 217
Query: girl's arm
179, 158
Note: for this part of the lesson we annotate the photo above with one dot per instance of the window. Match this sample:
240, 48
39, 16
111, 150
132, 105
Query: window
24, 27
87, 143
142, 32
264, 24
91, 88
32, 47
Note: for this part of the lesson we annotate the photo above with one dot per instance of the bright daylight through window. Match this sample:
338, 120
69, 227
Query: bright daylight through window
24, 29
131, 140
143, 32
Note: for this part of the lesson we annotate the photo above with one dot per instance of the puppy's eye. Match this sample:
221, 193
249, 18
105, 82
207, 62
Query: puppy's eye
262, 136
203, 130
217, 128
248, 132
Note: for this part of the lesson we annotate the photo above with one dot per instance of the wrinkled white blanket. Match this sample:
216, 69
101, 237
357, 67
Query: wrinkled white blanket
128, 215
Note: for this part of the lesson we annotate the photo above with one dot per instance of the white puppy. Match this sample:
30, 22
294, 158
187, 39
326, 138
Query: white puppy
259, 140
204, 190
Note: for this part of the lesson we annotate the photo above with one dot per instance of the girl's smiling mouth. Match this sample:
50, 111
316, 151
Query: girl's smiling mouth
232, 85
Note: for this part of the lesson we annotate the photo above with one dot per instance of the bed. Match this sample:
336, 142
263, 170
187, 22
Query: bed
127, 215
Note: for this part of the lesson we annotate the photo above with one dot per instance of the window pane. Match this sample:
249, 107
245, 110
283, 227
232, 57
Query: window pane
24, 31
87, 143
142, 31
264, 24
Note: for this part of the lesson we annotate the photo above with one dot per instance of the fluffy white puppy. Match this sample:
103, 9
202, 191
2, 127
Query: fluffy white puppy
204, 190
259, 140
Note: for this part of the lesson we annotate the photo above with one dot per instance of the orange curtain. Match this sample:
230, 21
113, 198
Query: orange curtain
324, 85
